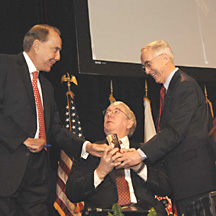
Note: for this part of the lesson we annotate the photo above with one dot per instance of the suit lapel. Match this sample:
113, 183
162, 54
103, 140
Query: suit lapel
25, 76
173, 82
23, 72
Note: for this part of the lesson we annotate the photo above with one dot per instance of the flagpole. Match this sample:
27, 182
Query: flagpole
208, 103
69, 80
146, 89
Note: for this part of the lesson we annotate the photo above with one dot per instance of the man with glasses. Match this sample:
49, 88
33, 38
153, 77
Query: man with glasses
182, 141
93, 180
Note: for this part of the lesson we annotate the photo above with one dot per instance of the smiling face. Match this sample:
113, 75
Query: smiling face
117, 121
47, 53
157, 60
154, 65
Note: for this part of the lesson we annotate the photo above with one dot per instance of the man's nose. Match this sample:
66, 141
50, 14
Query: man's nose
110, 113
147, 69
58, 56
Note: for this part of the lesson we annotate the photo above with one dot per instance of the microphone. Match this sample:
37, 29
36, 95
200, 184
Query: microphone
113, 141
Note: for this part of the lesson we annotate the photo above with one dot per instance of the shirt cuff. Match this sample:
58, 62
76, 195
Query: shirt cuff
84, 153
143, 173
142, 154
97, 180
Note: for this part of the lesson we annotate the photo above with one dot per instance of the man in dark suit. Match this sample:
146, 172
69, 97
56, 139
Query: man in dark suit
24, 165
93, 180
182, 141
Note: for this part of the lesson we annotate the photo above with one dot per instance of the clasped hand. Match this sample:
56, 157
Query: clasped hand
34, 145
123, 158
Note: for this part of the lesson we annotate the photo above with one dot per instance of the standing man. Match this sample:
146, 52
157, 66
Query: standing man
95, 181
28, 118
182, 141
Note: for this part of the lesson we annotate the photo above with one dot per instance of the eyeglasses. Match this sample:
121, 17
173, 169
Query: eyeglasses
116, 111
147, 64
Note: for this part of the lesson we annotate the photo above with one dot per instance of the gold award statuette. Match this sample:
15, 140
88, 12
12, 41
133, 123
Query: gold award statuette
113, 140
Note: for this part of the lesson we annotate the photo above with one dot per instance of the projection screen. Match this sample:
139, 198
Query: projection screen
112, 32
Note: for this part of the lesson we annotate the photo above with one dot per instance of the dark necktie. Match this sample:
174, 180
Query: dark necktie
162, 95
123, 188
42, 133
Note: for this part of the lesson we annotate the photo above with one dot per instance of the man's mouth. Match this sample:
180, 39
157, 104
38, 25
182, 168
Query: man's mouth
153, 75
52, 62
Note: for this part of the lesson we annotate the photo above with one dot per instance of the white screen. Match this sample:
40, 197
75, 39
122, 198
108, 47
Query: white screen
120, 28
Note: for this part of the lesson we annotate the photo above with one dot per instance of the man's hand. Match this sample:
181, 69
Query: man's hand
96, 149
34, 145
128, 158
107, 164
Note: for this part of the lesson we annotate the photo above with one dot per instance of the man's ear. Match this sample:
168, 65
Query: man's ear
166, 57
36, 45
130, 124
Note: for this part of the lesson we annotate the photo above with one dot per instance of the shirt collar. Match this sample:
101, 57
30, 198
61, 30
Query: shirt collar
125, 142
166, 84
29, 62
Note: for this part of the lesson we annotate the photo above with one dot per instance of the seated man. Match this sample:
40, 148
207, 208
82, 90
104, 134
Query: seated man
94, 180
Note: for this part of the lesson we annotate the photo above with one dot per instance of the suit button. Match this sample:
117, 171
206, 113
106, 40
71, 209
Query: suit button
28, 154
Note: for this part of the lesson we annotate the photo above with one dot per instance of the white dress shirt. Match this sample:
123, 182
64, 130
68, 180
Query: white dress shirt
32, 69
142, 174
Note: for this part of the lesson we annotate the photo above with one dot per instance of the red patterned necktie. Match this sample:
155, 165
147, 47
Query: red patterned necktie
42, 133
162, 95
123, 188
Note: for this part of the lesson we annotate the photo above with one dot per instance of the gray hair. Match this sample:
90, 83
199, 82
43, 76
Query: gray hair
37, 32
160, 47
129, 113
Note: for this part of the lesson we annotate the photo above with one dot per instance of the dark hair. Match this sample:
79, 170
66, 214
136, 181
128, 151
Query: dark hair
37, 32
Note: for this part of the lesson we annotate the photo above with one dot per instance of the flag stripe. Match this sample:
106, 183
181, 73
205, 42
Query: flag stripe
58, 208
67, 207
64, 157
60, 184
64, 167
63, 208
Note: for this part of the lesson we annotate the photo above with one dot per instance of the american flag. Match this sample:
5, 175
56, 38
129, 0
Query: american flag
62, 204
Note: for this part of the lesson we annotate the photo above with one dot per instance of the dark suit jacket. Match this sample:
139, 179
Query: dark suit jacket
183, 140
18, 121
80, 186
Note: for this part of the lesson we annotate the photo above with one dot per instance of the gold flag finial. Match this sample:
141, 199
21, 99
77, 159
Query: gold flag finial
111, 98
69, 80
